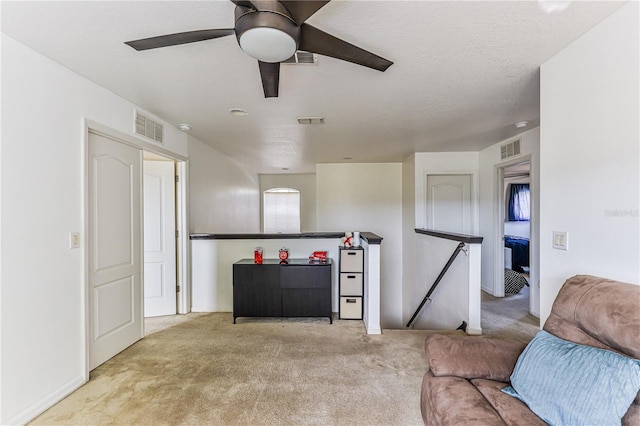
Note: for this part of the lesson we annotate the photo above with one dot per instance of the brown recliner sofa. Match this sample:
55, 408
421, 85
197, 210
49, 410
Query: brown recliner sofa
466, 373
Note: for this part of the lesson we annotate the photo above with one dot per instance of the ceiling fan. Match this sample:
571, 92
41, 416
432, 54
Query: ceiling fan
272, 31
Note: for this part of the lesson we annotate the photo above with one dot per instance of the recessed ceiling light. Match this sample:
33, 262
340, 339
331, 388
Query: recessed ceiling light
553, 6
184, 127
238, 111
521, 124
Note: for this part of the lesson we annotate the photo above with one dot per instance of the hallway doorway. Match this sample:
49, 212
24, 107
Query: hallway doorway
160, 239
516, 270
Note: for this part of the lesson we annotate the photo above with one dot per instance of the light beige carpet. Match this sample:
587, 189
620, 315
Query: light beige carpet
205, 370
200, 369
508, 317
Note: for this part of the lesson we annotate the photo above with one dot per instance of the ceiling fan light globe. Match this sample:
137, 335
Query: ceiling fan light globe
268, 44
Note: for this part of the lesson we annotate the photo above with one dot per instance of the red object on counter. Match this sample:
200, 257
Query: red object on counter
320, 255
257, 255
283, 254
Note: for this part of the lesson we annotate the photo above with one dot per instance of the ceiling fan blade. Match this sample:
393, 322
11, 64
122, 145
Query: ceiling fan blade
178, 38
317, 41
270, 74
301, 10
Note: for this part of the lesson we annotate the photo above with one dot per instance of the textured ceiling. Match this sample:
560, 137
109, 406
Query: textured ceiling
463, 73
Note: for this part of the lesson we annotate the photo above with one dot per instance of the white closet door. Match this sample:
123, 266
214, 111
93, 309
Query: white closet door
115, 252
449, 203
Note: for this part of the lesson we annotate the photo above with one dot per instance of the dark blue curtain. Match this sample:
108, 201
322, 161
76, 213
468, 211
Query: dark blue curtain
519, 197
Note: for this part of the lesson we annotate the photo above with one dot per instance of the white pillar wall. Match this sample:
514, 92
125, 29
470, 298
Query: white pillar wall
371, 307
474, 253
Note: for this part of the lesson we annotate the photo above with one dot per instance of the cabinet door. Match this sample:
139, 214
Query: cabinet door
306, 302
256, 275
305, 276
256, 291
350, 284
351, 260
350, 307
306, 290
257, 301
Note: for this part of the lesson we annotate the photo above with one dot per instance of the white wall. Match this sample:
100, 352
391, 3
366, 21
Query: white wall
590, 156
306, 184
43, 333
42, 309
367, 197
212, 269
489, 159
409, 258
224, 195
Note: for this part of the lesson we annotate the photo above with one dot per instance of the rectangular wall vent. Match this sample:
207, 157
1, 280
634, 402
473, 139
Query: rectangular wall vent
302, 57
311, 120
510, 149
149, 128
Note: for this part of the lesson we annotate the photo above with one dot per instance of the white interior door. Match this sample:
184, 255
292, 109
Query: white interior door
115, 252
449, 203
159, 238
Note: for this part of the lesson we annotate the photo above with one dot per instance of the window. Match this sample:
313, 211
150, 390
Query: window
281, 211
518, 207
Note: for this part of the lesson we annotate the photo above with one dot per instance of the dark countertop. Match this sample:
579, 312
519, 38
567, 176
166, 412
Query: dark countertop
293, 262
369, 237
464, 238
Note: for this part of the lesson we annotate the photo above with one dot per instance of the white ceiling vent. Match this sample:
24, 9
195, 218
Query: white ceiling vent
147, 127
510, 149
302, 57
311, 120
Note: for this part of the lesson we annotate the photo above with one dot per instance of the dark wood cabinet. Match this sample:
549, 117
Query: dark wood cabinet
273, 289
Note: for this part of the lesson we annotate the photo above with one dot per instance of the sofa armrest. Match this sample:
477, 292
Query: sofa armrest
472, 357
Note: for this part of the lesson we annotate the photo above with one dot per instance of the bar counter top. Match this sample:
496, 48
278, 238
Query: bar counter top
369, 237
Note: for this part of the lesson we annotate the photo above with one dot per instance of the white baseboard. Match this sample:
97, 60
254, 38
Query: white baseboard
371, 330
487, 289
47, 402
474, 331
205, 308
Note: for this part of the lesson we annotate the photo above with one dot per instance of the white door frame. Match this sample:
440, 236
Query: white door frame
182, 219
183, 265
498, 214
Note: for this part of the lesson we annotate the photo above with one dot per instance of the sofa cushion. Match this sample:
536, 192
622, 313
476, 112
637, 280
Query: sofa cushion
455, 401
632, 418
471, 357
512, 410
597, 312
566, 383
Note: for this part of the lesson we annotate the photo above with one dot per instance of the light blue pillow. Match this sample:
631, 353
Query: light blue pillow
564, 383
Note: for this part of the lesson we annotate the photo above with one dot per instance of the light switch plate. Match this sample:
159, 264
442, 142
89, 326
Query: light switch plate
561, 240
74, 240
